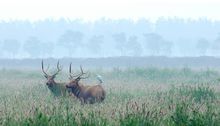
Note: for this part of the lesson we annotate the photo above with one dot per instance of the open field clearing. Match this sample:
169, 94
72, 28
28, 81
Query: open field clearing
135, 96
109, 63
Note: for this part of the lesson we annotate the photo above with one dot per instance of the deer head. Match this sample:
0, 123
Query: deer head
74, 79
50, 78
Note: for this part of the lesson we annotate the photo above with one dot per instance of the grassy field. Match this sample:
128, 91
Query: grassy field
135, 96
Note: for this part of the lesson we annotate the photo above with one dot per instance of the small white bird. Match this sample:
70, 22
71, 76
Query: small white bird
99, 78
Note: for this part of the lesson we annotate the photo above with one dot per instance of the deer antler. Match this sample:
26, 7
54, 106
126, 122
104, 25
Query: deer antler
70, 72
58, 68
83, 73
42, 67
79, 76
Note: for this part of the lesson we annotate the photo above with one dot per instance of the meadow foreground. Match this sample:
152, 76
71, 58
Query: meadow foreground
134, 96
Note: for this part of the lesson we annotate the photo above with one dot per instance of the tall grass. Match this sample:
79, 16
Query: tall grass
135, 96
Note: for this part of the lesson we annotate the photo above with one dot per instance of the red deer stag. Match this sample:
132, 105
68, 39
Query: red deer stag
86, 94
57, 89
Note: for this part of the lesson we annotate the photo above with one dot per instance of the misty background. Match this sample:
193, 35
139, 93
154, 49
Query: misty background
172, 37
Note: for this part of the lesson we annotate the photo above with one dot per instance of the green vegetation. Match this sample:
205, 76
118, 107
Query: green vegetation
135, 96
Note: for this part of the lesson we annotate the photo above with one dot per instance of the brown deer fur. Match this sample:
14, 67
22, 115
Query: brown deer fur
57, 89
86, 94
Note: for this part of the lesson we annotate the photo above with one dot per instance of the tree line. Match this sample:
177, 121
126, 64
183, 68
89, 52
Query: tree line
106, 38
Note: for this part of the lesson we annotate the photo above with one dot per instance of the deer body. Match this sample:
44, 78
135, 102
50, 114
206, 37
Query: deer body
57, 89
86, 94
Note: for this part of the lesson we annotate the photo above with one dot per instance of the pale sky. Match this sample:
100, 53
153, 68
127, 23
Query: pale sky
90, 10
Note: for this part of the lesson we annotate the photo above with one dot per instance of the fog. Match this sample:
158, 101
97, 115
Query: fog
49, 38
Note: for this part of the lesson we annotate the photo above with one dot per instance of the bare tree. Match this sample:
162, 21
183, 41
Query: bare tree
216, 46
71, 40
94, 44
202, 46
47, 49
157, 45
133, 46
120, 44
34, 47
11, 47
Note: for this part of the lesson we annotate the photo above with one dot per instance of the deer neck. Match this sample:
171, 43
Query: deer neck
77, 91
56, 88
